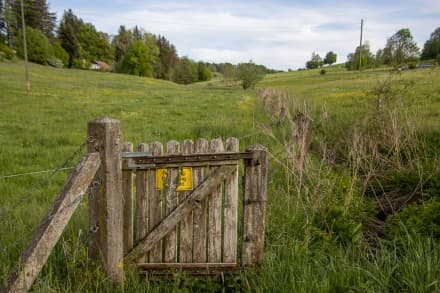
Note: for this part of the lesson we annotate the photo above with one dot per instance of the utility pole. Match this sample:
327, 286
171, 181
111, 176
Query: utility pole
28, 82
360, 45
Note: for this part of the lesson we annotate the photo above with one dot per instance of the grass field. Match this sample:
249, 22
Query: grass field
314, 239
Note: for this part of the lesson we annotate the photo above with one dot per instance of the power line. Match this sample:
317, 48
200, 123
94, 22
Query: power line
360, 45
26, 68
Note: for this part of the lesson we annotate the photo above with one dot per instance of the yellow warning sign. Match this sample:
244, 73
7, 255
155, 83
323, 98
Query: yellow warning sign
161, 178
185, 178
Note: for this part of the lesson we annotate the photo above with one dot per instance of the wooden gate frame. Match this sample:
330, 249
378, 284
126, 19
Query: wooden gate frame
106, 209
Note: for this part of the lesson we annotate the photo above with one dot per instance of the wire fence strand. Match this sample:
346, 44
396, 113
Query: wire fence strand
6, 212
26, 235
34, 172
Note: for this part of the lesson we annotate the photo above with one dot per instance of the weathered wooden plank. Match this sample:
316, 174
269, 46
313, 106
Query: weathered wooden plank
127, 199
204, 265
214, 178
155, 198
193, 269
177, 165
199, 213
105, 212
40, 246
254, 205
170, 241
142, 204
192, 158
215, 213
230, 209
186, 226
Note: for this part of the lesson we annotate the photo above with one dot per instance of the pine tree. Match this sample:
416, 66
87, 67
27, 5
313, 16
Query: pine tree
68, 32
2, 22
10, 23
36, 16
121, 44
167, 59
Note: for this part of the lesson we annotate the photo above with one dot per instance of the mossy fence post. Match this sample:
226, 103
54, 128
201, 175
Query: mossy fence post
105, 207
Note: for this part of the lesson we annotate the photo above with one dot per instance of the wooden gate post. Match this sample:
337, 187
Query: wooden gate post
105, 205
254, 205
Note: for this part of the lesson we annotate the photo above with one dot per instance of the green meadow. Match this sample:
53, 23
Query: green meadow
324, 230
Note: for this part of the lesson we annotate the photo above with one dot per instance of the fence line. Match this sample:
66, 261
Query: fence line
34, 172
90, 192
5, 213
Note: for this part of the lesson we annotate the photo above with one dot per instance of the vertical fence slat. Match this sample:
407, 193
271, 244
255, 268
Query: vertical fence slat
127, 199
254, 205
199, 230
230, 209
215, 213
105, 212
186, 226
142, 203
173, 148
155, 199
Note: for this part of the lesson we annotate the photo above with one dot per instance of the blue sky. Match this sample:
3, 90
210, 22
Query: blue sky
279, 34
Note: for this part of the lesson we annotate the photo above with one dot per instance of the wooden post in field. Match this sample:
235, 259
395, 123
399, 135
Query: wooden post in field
254, 205
106, 207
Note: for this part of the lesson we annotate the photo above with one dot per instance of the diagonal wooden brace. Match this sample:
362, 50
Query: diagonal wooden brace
39, 247
216, 177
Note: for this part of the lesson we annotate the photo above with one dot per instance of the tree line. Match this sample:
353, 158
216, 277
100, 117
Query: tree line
75, 43
400, 49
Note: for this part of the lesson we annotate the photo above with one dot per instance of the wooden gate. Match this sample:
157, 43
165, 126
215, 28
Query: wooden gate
180, 208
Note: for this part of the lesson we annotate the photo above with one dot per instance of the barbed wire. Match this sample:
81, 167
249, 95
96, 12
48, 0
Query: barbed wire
5, 213
90, 192
33, 173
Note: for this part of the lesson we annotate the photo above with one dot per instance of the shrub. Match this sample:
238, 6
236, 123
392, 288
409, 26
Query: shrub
60, 54
6, 52
412, 65
421, 219
322, 72
186, 71
55, 62
249, 74
38, 47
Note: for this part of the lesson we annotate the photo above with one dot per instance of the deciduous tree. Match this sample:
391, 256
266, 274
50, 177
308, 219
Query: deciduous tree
400, 48
39, 48
204, 72
314, 62
95, 45
368, 59
228, 71
330, 58
249, 74
431, 49
139, 60
186, 71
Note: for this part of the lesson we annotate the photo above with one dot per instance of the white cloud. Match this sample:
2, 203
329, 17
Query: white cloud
277, 34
